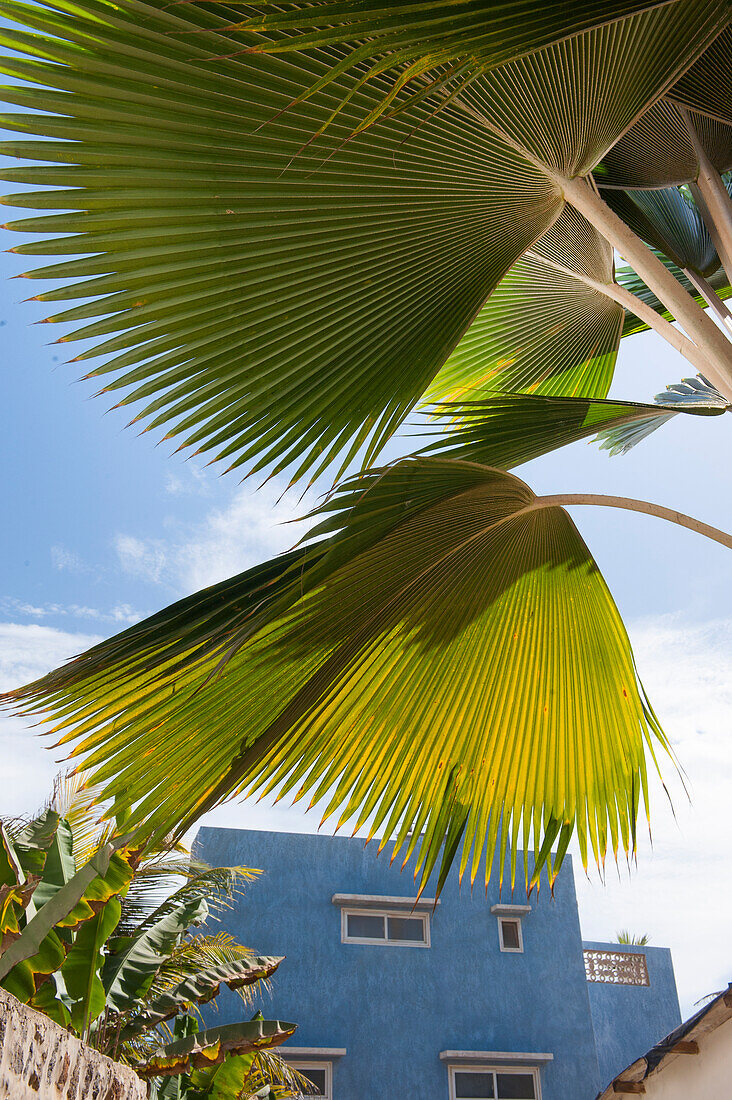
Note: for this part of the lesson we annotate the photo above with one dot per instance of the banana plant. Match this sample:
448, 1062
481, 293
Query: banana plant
124, 962
278, 232
247, 1071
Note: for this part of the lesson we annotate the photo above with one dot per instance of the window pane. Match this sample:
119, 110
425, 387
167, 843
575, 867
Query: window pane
510, 931
317, 1076
516, 1086
474, 1086
406, 928
365, 926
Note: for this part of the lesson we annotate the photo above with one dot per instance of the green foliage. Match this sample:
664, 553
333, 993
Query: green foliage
633, 939
121, 962
278, 230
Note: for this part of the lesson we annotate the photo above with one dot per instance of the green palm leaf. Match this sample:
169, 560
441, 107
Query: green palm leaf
550, 327
274, 305
627, 278
705, 87
262, 305
668, 220
436, 46
452, 666
508, 430
657, 151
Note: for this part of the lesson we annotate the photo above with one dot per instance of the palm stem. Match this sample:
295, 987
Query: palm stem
631, 505
673, 336
712, 199
710, 296
698, 326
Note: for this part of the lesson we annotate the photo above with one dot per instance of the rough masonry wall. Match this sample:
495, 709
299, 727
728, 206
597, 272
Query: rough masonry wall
41, 1061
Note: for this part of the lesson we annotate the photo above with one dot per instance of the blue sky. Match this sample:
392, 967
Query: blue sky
102, 527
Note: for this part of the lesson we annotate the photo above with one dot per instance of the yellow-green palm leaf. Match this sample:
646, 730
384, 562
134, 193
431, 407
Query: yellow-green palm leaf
548, 328
449, 667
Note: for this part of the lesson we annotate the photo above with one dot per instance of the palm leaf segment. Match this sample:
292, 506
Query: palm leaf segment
509, 429
429, 47
275, 305
449, 669
550, 327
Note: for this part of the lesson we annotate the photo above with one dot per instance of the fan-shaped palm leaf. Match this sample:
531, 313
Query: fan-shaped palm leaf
628, 279
458, 671
191, 190
705, 86
658, 151
272, 306
550, 327
668, 220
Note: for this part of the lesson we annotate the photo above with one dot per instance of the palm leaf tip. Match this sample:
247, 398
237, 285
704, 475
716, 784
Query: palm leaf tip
692, 395
454, 667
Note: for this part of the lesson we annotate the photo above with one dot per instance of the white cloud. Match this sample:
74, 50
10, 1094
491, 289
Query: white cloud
28, 765
122, 613
68, 561
255, 525
146, 559
681, 890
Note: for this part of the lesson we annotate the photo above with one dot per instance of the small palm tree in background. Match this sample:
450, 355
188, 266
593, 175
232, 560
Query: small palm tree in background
632, 939
279, 230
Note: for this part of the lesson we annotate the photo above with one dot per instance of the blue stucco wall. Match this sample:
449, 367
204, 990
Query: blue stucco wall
395, 1008
628, 1020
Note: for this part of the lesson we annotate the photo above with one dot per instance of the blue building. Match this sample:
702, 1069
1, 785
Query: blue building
480, 997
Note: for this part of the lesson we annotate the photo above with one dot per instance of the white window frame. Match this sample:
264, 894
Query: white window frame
304, 1066
493, 1068
365, 911
511, 950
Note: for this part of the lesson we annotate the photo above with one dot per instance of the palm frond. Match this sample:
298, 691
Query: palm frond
277, 297
428, 683
429, 48
548, 328
510, 429
657, 151
258, 302
77, 802
217, 886
705, 86
627, 278
668, 220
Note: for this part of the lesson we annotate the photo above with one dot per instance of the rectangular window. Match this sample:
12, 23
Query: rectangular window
509, 933
396, 929
320, 1075
485, 1083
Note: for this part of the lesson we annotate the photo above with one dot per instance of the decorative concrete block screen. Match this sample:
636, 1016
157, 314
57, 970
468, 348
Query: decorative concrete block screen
616, 967
40, 1061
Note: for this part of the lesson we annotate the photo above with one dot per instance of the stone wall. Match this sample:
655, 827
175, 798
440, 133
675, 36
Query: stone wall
41, 1061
